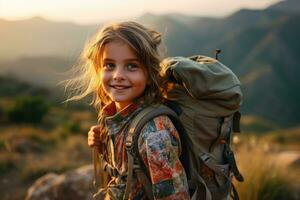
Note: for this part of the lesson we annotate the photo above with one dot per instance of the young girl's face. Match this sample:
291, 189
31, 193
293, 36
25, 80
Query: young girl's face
123, 76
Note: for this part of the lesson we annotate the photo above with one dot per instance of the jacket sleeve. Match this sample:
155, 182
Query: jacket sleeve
159, 147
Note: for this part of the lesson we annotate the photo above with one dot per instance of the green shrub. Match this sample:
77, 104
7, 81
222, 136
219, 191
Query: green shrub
72, 127
28, 110
8, 162
280, 139
2, 145
1, 114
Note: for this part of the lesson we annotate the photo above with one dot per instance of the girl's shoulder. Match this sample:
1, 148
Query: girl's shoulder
159, 123
160, 129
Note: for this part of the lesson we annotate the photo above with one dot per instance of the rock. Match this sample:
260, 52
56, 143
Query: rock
73, 185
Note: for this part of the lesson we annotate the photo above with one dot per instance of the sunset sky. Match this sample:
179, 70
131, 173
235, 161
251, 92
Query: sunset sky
94, 11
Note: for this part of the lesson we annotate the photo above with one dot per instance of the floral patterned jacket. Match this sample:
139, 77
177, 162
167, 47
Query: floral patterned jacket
159, 148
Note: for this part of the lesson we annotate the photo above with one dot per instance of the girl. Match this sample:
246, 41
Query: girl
122, 71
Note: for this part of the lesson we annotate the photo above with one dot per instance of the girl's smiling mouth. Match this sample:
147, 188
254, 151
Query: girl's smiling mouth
119, 87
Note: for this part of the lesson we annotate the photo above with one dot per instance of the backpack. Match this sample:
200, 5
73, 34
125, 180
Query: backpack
202, 100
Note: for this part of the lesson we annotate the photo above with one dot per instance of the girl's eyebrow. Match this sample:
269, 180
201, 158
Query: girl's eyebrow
127, 60
107, 59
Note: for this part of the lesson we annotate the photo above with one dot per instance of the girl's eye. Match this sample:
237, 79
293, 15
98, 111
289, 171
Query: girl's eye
132, 66
108, 66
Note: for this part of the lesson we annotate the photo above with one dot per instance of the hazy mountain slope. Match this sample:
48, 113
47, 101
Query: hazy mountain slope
40, 37
270, 75
291, 6
177, 35
41, 71
187, 35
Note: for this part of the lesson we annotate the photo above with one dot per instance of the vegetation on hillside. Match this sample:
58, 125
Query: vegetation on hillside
268, 171
38, 135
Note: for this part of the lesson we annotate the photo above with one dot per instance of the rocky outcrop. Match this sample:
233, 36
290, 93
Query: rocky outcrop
74, 185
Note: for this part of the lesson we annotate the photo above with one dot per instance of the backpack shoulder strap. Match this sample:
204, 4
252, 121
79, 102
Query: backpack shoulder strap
134, 131
143, 117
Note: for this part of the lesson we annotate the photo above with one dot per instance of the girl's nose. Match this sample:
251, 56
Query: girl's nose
118, 74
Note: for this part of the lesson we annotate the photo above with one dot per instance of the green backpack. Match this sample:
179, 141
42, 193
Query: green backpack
203, 102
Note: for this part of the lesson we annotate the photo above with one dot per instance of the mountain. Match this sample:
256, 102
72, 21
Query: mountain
267, 59
260, 46
39, 71
40, 37
291, 6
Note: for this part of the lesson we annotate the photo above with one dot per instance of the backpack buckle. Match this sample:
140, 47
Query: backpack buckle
128, 145
231, 160
112, 171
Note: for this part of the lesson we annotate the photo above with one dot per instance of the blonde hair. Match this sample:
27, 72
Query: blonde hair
145, 43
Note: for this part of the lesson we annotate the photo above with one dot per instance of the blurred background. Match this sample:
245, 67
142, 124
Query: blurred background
41, 40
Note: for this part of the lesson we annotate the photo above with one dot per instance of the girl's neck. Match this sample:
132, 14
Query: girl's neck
122, 105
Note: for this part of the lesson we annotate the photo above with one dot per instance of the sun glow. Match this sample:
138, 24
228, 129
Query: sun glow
91, 11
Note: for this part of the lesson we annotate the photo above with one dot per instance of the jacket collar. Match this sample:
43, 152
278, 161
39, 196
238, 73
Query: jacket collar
116, 121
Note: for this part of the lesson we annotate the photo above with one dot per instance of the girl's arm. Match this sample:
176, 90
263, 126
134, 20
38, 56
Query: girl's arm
159, 147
